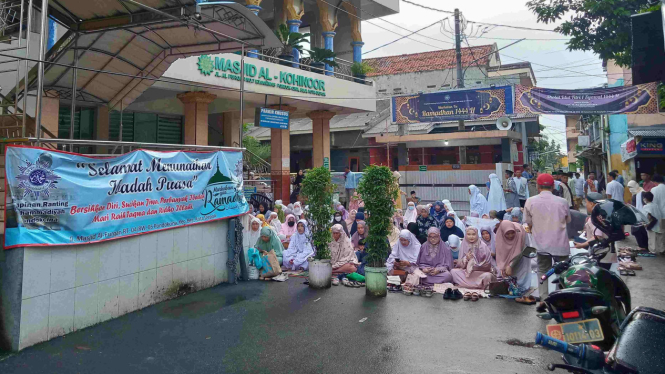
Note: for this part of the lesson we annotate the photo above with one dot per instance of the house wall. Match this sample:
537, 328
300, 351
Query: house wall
52, 291
412, 83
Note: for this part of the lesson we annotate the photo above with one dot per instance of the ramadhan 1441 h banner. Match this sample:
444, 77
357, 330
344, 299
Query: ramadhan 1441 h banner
640, 99
60, 198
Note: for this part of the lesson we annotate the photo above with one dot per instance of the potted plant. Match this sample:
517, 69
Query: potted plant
317, 189
379, 190
290, 41
320, 57
360, 70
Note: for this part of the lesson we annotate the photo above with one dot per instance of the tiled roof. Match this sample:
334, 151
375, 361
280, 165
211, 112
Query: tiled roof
429, 61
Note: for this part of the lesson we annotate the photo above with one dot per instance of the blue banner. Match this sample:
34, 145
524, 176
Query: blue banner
60, 198
473, 104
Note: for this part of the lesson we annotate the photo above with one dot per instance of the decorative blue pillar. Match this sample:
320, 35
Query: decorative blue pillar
357, 51
52, 33
328, 39
255, 9
294, 26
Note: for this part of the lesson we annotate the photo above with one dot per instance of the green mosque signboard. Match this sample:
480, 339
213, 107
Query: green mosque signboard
226, 68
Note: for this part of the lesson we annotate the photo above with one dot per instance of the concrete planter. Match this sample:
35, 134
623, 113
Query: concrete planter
288, 58
320, 274
376, 281
360, 78
318, 67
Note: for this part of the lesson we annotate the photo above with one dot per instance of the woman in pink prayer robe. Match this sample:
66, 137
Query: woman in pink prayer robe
474, 266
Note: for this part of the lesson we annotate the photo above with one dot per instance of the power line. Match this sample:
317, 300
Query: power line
396, 40
391, 23
480, 23
547, 66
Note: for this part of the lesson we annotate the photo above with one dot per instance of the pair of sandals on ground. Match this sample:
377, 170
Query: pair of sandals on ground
347, 283
450, 294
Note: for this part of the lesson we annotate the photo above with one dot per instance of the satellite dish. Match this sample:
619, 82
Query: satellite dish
504, 123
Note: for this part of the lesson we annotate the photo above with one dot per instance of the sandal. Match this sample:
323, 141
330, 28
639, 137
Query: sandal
346, 282
335, 282
623, 272
631, 273
526, 300
467, 296
475, 297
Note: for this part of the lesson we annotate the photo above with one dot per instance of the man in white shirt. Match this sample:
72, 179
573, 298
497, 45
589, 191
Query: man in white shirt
522, 187
579, 185
659, 200
614, 189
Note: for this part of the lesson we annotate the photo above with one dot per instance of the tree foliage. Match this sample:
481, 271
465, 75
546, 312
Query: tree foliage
378, 190
255, 146
601, 26
549, 153
317, 190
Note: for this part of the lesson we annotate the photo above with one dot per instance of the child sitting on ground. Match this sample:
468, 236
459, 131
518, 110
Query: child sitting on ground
361, 254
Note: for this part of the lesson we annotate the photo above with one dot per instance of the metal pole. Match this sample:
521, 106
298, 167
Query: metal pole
40, 71
18, 61
525, 141
73, 109
242, 90
122, 148
458, 54
25, 73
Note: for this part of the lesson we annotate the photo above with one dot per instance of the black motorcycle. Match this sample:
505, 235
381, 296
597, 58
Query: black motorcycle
639, 349
592, 302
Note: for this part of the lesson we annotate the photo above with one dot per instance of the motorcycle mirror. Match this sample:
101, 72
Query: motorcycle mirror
599, 309
530, 252
545, 316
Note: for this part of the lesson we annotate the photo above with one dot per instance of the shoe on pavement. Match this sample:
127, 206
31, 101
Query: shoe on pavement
541, 308
335, 282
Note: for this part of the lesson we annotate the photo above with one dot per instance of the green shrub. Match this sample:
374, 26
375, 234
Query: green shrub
378, 190
317, 190
361, 68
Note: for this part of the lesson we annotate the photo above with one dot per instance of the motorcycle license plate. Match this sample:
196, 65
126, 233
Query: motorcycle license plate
577, 332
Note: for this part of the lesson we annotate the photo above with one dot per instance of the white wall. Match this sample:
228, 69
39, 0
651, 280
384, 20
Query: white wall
69, 288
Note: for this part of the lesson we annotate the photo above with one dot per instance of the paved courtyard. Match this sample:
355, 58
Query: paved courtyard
270, 327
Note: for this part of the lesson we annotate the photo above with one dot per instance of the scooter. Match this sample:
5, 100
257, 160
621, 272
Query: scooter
637, 351
593, 301
589, 295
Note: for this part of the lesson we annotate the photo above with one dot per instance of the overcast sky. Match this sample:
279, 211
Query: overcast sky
548, 57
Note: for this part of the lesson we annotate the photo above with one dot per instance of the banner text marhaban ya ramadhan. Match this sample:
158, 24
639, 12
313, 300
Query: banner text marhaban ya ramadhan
118, 186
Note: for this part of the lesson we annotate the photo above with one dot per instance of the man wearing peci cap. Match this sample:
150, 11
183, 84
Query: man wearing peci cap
547, 216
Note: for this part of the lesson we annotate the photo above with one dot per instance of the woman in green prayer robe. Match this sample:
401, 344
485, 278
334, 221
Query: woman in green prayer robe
269, 241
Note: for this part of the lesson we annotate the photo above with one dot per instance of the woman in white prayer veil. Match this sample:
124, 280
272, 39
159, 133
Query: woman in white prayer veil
496, 199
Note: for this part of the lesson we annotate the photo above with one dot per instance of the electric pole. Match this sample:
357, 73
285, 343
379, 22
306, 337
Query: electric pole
458, 53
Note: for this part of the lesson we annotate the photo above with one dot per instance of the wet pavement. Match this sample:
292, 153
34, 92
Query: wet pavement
271, 327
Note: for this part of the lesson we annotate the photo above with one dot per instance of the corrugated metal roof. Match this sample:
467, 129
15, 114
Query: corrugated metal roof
118, 37
429, 61
649, 132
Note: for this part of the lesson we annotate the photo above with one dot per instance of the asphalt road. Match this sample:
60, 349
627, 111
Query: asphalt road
270, 327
